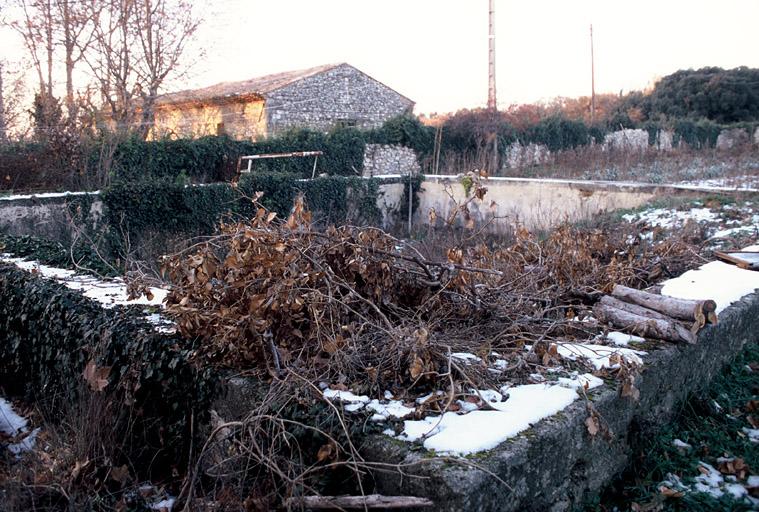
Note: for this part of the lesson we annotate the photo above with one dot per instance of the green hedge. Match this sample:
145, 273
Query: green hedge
48, 334
213, 158
169, 207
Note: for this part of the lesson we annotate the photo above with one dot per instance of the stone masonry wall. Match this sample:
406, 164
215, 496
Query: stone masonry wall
383, 159
342, 95
243, 120
626, 140
45, 217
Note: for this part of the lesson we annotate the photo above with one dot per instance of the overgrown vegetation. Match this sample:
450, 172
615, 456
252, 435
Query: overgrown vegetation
711, 424
164, 210
70, 354
365, 312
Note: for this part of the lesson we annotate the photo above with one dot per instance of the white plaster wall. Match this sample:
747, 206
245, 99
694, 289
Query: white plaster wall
535, 204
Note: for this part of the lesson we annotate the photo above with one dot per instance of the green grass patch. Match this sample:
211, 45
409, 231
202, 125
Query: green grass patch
712, 430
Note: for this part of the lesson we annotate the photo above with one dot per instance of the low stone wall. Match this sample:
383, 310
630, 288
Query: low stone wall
629, 140
733, 138
49, 334
557, 465
384, 159
518, 155
48, 215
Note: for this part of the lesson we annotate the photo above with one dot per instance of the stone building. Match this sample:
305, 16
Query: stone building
319, 98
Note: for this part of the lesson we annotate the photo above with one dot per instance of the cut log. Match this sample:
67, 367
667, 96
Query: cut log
373, 501
747, 260
681, 309
633, 308
608, 300
669, 330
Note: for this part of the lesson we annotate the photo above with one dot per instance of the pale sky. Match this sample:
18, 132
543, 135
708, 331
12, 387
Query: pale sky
435, 51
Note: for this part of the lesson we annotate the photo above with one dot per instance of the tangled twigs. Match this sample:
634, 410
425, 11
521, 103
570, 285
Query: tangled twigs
358, 310
358, 304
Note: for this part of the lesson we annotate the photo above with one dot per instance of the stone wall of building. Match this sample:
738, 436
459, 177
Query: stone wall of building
383, 159
341, 96
626, 140
243, 119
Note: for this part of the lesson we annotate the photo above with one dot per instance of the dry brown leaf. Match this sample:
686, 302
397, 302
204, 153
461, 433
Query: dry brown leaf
96, 376
591, 422
736, 466
629, 390
416, 369
327, 452
120, 474
670, 493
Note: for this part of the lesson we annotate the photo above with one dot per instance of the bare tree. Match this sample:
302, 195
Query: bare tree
74, 26
36, 26
136, 46
11, 100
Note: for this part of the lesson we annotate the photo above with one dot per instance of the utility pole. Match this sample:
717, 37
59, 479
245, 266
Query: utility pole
492, 103
592, 80
3, 128
491, 57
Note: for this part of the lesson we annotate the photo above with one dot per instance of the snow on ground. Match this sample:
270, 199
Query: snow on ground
748, 183
466, 356
599, 355
669, 218
382, 410
752, 433
726, 221
15, 427
164, 505
477, 427
47, 195
622, 339
752, 229
107, 293
717, 280
475, 431
711, 481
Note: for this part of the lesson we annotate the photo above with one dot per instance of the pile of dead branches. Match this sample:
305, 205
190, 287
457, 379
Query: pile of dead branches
272, 294
363, 311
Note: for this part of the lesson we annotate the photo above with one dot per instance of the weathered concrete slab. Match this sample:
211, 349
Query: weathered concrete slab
557, 464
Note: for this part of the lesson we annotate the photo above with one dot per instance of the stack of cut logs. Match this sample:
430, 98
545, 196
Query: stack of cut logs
655, 316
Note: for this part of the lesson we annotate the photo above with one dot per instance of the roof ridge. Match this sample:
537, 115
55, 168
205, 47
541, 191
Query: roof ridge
257, 85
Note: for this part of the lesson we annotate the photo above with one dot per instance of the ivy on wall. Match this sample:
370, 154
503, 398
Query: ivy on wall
172, 208
51, 333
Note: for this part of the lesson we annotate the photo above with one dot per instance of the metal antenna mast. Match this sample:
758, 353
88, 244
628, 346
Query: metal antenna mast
491, 58
592, 80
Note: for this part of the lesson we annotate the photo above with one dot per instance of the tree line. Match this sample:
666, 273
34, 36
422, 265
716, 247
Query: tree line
112, 56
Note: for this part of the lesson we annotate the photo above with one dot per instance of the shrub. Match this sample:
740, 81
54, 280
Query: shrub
559, 133
51, 333
136, 210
